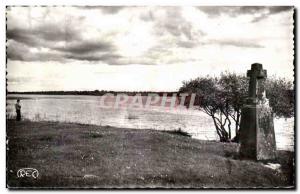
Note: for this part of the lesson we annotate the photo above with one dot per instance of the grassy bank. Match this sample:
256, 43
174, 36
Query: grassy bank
74, 155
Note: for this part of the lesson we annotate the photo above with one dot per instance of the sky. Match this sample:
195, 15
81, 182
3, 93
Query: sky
151, 48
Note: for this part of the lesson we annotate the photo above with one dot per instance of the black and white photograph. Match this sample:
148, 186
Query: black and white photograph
150, 97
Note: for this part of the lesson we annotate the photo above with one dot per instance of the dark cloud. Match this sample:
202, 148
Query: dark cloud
42, 34
83, 47
103, 9
47, 35
177, 29
237, 10
236, 43
278, 9
21, 52
265, 12
87, 51
104, 57
111, 9
176, 25
54, 32
187, 44
234, 11
15, 50
183, 33
21, 35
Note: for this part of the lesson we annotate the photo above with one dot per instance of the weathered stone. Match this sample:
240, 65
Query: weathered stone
266, 144
256, 75
257, 135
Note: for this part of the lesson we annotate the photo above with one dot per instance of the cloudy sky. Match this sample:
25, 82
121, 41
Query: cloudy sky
142, 48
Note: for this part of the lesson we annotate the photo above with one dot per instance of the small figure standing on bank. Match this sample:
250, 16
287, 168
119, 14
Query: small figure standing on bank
18, 110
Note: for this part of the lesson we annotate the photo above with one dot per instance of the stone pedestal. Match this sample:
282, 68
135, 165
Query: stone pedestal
257, 135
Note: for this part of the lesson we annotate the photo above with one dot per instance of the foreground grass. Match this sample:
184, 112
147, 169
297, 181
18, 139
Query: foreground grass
75, 155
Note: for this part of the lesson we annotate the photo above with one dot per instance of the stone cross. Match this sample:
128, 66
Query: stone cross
257, 136
257, 75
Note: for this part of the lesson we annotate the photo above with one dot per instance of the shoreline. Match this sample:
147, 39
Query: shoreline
10, 118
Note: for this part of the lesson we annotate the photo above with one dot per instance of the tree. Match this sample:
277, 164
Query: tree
235, 90
280, 93
210, 99
222, 99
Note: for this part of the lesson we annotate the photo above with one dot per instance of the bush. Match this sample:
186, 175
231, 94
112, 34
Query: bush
280, 93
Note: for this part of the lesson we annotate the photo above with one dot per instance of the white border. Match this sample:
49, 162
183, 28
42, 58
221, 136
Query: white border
3, 3
152, 2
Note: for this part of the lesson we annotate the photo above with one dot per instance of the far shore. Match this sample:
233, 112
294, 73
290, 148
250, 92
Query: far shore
94, 93
76, 155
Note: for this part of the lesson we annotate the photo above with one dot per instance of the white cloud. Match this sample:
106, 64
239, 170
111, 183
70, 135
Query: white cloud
142, 48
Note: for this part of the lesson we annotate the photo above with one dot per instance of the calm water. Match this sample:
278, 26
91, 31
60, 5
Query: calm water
87, 110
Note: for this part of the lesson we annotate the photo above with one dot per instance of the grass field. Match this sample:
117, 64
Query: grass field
75, 155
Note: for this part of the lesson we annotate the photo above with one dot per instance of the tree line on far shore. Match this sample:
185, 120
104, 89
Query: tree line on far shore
95, 93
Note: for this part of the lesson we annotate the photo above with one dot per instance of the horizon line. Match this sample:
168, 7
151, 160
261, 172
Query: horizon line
148, 91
